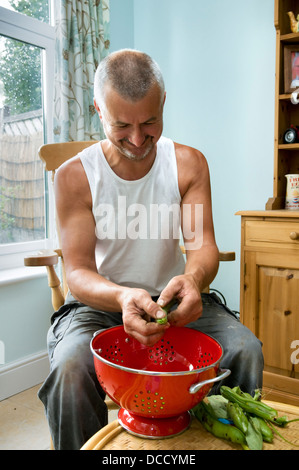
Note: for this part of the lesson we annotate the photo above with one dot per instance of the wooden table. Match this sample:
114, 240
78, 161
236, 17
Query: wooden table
114, 437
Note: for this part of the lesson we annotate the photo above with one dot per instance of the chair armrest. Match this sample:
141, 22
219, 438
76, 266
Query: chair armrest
227, 256
48, 259
223, 255
42, 258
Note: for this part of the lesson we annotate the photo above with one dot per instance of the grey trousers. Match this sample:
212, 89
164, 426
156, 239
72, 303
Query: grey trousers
71, 394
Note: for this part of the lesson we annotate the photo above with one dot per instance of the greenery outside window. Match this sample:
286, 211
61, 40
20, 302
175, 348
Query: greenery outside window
26, 75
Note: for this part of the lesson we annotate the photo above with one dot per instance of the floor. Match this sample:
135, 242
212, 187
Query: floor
23, 425
23, 422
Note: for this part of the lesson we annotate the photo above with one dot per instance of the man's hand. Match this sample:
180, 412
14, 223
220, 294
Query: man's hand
138, 309
186, 291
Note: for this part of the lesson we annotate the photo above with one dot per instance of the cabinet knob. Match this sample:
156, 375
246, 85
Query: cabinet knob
294, 235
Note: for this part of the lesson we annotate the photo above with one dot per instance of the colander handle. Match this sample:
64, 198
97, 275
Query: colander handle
223, 373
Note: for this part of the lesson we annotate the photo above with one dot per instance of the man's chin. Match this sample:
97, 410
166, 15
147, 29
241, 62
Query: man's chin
138, 156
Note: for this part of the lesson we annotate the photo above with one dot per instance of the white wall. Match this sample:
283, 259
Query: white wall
25, 312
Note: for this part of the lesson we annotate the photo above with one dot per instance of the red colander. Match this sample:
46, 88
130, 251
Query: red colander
156, 386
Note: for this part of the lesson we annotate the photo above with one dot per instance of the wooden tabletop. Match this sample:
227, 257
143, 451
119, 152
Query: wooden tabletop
114, 437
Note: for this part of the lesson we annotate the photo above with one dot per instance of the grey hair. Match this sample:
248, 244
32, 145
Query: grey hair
131, 74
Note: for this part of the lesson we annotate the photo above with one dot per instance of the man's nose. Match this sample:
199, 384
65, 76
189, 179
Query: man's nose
137, 137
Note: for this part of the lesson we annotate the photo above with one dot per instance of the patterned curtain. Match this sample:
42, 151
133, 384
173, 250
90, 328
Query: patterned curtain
82, 40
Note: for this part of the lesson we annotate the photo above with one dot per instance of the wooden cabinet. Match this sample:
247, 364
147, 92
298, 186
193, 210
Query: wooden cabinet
270, 295
286, 155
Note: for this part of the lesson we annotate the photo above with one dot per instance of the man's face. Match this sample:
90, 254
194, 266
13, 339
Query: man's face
133, 128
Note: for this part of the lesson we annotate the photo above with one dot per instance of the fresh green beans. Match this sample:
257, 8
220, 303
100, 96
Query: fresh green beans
163, 321
240, 418
250, 405
257, 393
264, 428
235, 413
218, 428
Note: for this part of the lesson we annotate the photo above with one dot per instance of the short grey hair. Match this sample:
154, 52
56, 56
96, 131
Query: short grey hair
130, 73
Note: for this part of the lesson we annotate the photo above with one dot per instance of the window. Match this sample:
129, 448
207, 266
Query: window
26, 73
39, 9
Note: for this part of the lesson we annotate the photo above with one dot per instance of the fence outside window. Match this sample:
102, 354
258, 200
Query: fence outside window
22, 184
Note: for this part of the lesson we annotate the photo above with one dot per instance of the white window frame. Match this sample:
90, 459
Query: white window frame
26, 29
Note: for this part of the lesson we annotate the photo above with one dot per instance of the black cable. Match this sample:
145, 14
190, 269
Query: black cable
221, 295
234, 312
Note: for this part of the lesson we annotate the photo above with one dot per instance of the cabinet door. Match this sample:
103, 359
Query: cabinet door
271, 307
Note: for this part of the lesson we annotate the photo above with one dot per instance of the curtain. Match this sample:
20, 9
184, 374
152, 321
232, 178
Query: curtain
82, 40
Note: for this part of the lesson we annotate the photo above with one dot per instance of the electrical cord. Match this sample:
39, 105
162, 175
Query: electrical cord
234, 312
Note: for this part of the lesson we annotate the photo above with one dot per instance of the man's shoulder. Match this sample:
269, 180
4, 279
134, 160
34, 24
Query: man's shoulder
70, 166
74, 164
187, 154
70, 176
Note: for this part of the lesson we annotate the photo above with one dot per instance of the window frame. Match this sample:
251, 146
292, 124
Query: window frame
38, 33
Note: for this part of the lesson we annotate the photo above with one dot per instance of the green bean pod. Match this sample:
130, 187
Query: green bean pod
238, 417
265, 429
250, 405
166, 309
219, 429
162, 321
257, 393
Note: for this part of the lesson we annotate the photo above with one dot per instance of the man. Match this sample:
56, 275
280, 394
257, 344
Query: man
121, 267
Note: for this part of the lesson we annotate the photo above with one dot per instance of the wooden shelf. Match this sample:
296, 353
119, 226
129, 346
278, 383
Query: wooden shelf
291, 38
270, 241
285, 97
288, 147
286, 156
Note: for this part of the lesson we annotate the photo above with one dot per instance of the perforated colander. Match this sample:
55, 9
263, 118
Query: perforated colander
156, 386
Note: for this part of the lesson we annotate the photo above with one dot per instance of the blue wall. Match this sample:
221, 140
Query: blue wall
121, 24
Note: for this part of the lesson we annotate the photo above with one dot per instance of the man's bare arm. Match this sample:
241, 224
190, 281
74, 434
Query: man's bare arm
77, 234
202, 261
202, 256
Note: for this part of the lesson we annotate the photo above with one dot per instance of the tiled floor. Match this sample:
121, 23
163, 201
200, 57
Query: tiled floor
23, 425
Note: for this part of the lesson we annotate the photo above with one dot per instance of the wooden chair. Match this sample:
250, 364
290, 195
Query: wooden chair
53, 155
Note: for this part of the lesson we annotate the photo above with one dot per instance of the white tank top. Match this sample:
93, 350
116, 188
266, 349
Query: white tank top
137, 222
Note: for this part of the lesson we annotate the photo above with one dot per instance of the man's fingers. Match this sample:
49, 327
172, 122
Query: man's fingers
146, 333
154, 310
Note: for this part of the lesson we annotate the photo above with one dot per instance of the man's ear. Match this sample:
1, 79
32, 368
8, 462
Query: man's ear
97, 108
164, 99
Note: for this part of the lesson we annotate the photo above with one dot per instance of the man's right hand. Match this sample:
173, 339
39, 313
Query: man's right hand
138, 309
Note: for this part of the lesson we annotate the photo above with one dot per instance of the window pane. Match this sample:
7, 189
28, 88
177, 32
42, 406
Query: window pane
22, 185
38, 9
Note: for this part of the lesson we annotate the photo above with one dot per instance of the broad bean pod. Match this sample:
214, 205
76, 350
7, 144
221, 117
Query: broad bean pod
236, 414
218, 428
252, 406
